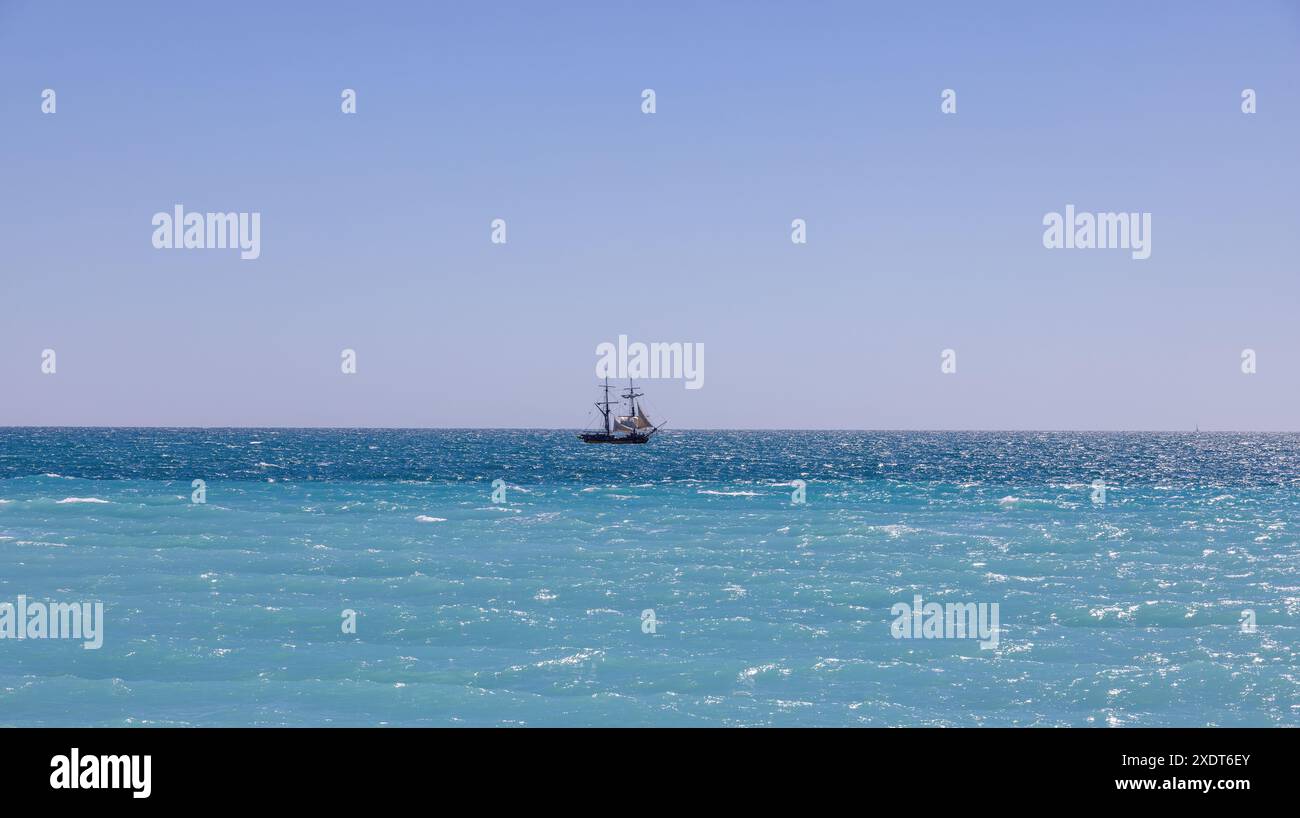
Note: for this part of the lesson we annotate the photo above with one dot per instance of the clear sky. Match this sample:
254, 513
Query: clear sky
924, 229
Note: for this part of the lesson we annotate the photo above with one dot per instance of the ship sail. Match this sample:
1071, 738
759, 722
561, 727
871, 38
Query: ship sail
636, 420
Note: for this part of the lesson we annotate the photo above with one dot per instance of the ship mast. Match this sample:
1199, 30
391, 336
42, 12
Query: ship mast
603, 406
631, 396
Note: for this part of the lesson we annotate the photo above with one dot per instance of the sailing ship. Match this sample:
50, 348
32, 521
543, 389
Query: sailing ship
634, 427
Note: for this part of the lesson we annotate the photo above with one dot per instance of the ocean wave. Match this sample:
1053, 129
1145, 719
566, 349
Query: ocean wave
750, 673
894, 529
83, 500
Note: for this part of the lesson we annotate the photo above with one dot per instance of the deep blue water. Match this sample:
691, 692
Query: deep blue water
1124, 612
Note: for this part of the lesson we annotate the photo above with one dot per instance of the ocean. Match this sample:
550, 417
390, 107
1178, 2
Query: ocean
371, 577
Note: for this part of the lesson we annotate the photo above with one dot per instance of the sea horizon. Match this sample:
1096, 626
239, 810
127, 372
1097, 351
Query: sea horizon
671, 429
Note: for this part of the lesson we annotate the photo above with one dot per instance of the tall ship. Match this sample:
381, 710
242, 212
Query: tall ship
633, 427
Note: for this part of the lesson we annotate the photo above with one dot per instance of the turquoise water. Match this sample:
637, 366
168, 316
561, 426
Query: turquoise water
471, 612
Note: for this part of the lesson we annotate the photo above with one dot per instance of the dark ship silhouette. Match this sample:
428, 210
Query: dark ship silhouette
634, 427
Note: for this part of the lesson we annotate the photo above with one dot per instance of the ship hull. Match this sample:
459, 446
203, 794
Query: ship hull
603, 437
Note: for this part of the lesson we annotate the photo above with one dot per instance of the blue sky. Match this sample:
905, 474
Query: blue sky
924, 229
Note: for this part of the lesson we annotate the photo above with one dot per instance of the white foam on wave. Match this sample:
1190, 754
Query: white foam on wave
728, 493
1011, 500
82, 500
582, 656
749, 673
424, 518
894, 529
